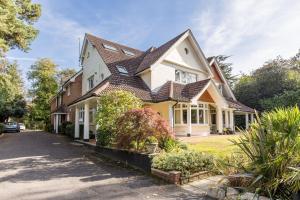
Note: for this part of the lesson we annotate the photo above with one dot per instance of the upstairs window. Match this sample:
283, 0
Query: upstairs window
91, 82
185, 77
109, 47
122, 69
128, 53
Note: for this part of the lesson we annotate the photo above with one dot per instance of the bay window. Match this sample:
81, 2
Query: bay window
199, 114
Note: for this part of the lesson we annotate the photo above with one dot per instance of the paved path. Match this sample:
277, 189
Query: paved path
37, 165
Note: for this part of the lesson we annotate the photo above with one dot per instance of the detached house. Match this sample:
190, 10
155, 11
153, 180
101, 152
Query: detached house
175, 79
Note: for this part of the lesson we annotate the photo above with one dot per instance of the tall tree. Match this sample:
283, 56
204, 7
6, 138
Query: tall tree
64, 75
43, 77
226, 68
275, 84
12, 103
16, 24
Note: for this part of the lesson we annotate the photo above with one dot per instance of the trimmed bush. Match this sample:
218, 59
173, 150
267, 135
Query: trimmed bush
136, 125
104, 138
70, 130
63, 126
111, 106
185, 161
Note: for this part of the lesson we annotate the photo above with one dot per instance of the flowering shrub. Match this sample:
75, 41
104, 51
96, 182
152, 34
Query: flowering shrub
110, 107
136, 125
185, 161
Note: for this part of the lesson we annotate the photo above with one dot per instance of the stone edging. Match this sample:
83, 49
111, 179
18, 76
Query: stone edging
175, 177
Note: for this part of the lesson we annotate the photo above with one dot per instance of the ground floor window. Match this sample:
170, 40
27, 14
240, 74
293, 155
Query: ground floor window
199, 113
81, 114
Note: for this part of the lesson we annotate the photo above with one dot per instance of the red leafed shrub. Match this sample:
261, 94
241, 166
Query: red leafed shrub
136, 125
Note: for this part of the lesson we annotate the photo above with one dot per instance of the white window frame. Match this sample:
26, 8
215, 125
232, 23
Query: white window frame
92, 113
90, 83
81, 114
122, 69
197, 107
185, 77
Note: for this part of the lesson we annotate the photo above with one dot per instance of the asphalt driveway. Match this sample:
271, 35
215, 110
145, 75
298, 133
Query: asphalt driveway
38, 165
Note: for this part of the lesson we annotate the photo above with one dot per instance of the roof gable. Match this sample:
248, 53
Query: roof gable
162, 52
214, 64
152, 56
118, 57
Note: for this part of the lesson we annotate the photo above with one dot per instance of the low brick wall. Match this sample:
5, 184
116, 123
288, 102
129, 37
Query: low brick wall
171, 177
194, 177
175, 177
137, 160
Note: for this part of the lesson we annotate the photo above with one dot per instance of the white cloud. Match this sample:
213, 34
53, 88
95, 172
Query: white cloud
253, 31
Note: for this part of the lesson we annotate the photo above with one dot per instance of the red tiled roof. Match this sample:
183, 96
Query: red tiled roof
138, 63
238, 105
179, 92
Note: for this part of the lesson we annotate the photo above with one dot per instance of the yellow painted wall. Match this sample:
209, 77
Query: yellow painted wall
162, 108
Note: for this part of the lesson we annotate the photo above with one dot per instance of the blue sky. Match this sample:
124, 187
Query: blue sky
252, 31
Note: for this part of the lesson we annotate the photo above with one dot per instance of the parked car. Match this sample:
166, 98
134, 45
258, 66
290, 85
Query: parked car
11, 127
22, 126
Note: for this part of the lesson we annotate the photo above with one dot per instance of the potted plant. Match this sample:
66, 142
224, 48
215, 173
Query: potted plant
151, 144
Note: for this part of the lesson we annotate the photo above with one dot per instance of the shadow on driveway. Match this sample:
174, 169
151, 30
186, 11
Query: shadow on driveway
38, 165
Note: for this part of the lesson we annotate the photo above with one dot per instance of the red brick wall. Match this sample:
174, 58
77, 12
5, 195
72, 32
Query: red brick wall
75, 88
75, 91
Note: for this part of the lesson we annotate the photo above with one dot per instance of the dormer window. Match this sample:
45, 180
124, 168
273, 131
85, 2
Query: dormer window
109, 47
128, 53
122, 69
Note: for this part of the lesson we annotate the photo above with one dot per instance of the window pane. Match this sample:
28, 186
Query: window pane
184, 116
177, 75
201, 117
184, 105
194, 116
177, 117
200, 105
191, 78
183, 77
177, 106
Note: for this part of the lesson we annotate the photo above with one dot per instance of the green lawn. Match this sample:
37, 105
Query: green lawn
218, 145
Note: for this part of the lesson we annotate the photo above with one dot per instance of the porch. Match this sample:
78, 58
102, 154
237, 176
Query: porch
84, 121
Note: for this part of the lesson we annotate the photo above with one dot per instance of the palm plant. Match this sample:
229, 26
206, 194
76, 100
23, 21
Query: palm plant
273, 147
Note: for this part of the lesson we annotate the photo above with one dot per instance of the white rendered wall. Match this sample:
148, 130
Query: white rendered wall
94, 65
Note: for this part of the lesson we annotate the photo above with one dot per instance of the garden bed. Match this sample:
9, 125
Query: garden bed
141, 161
176, 177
